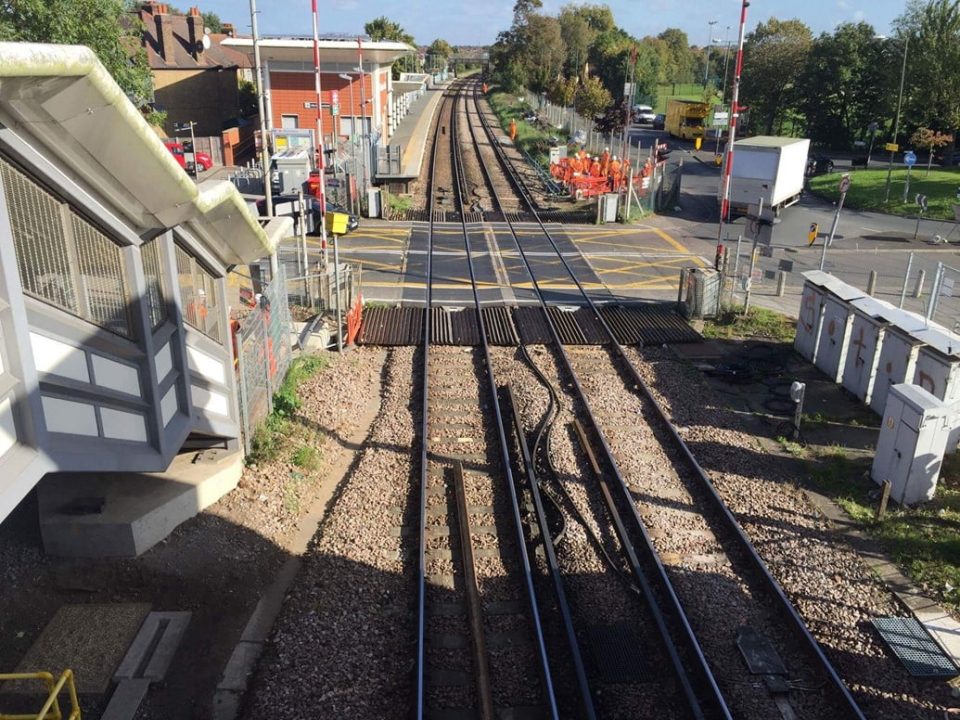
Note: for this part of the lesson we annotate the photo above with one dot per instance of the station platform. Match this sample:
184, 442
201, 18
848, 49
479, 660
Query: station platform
411, 138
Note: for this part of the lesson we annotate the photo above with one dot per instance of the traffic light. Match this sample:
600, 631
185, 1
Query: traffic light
718, 258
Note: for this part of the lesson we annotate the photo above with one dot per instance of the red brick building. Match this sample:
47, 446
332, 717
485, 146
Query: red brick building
288, 69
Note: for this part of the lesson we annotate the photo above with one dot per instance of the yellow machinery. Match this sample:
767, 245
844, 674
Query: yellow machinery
51, 708
685, 119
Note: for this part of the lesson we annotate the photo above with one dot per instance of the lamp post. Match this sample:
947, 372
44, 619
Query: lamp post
706, 64
353, 130
896, 122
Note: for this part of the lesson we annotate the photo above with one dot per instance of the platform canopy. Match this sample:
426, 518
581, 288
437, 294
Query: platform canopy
332, 50
63, 102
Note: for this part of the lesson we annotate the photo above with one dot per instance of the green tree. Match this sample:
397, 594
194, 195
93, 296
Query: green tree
102, 25
930, 140
843, 86
212, 22
932, 92
679, 58
577, 36
382, 28
592, 98
440, 48
543, 51
775, 54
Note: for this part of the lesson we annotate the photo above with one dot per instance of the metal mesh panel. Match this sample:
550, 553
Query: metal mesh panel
39, 239
198, 295
62, 258
101, 278
156, 297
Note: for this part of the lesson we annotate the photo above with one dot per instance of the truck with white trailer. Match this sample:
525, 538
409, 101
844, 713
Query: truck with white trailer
768, 168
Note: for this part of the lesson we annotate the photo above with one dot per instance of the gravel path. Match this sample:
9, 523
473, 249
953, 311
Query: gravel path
343, 646
826, 581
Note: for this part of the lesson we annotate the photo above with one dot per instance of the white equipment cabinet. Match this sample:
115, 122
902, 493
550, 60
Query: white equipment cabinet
938, 372
817, 286
834, 332
898, 360
863, 347
912, 440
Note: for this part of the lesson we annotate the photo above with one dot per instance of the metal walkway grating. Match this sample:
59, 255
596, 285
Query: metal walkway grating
912, 644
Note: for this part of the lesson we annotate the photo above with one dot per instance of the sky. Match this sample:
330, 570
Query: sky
477, 22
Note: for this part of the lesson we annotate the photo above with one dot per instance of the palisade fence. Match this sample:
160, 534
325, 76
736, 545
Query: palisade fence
316, 293
264, 353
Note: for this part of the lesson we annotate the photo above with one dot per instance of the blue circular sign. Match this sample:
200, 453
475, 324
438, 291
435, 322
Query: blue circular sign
909, 159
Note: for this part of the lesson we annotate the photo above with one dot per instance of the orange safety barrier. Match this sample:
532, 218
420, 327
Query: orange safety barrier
354, 320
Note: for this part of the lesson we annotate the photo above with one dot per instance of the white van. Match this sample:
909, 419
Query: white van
643, 115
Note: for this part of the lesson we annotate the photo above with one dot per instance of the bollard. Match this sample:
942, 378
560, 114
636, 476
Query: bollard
872, 283
918, 289
781, 284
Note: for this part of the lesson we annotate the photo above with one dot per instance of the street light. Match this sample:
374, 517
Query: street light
706, 65
896, 122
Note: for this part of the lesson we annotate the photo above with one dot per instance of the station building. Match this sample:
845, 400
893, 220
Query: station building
115, 346
289, 85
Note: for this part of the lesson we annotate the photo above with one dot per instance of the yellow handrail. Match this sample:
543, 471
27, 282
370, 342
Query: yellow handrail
51, 708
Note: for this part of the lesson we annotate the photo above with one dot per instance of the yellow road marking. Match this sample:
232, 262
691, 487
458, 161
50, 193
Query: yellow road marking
678, 246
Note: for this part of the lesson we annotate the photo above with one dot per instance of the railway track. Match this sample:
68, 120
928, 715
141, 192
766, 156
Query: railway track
480, 641
697, 567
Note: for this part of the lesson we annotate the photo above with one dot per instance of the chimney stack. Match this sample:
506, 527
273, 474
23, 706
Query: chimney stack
195, 31
229, 30
164, 33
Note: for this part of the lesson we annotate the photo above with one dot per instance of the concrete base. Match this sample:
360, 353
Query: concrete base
125, 514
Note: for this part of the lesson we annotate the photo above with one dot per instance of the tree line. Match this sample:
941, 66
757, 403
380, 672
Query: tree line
836, 88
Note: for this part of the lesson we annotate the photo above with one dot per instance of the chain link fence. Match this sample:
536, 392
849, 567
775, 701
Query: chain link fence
264, 353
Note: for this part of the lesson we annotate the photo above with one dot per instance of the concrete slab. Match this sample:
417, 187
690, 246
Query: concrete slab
89, 639
152, 651
125, 514
126, 700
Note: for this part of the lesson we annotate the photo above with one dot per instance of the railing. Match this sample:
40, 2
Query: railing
51, 708
263, 355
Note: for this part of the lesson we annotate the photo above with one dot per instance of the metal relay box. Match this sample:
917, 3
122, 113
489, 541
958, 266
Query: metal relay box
913, 437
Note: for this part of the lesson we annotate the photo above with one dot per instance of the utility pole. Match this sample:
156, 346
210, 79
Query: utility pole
363, 119
264, 126
320, 157
706, 64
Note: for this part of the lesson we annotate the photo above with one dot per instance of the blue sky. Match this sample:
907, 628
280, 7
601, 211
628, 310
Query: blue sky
477, 22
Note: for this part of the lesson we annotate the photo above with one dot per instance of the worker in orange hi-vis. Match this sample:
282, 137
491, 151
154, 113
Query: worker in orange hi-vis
604, 161
615, 168
484, 88
513, 130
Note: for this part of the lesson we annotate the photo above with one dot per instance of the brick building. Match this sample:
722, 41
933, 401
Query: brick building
195, 78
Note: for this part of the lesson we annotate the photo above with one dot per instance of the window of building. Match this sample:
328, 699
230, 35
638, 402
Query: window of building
289, 122
156, 287
62, 258
198, 293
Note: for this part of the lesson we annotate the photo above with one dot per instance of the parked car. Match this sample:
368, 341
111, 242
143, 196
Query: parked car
659, 121
818, 163
643, 114
204, 161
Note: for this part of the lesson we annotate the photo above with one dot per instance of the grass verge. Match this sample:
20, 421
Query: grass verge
276, 432
923, 541
868, 188
535, 141
731, 323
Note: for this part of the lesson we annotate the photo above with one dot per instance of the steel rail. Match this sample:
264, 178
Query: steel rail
707, 686
797, 622
424, 435
461, 182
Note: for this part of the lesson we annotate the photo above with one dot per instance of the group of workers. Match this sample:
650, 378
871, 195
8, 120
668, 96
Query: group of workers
580, 169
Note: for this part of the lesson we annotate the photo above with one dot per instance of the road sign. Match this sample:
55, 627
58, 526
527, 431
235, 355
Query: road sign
721, 119
844, 184
909, 159
334, 97
335, 109
891, 147
814, 232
